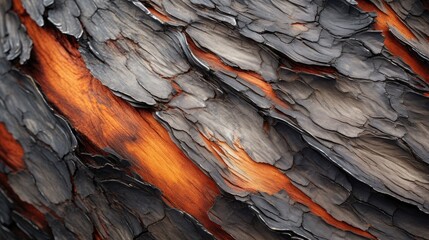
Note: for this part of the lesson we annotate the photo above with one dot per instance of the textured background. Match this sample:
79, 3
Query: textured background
200, 119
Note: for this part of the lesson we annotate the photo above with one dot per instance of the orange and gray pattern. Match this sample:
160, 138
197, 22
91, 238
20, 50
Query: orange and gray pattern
214, 119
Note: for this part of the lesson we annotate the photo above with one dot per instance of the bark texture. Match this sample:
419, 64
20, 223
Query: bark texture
214, 119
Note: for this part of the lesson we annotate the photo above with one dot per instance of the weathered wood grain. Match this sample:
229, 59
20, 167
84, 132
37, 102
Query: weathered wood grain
258, 119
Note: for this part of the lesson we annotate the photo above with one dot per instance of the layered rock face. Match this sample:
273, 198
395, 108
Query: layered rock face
214, 119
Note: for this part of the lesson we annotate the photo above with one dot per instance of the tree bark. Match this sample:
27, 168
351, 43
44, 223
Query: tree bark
206, 119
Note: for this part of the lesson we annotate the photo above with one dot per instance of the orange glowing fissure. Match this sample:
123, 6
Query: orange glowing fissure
383, 21
260, 177
108, 121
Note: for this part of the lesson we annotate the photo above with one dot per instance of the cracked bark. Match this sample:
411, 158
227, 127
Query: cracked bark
202, 119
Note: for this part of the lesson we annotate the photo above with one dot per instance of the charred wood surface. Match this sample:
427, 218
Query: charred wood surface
209, 119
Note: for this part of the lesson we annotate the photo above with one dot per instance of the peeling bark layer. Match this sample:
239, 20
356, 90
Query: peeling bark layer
206, 119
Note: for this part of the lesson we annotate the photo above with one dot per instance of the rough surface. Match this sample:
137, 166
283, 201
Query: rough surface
308, 121
415, 14
14, 41
76, 197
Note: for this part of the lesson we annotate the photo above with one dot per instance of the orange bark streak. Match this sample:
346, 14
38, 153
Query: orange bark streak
259, 177
383, 21
108, 121
11, 152
159, 15
216, 63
